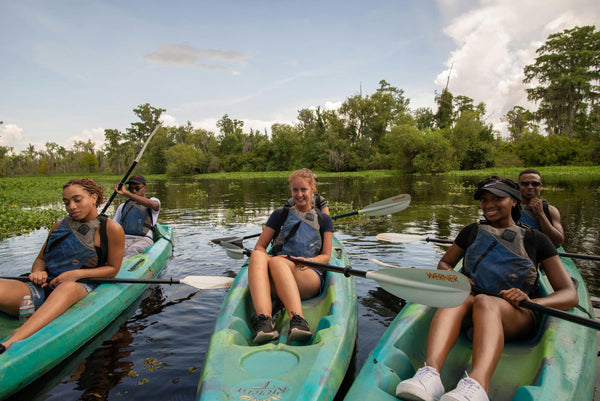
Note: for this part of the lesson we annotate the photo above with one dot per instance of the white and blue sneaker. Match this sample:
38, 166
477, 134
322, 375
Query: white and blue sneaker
425, 385
467, 390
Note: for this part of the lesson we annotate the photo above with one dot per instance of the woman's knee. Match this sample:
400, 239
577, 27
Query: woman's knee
258, 263
486, 304
70, 289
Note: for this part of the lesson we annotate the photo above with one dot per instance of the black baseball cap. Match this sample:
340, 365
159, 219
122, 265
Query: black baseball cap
136, 179
499, 189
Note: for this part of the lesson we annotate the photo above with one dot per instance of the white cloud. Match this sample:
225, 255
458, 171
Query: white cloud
168, 120
96, 135
10, 135
189, 56
497, 39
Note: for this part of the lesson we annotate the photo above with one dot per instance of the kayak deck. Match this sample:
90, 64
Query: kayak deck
558, 363
236, 369
26, 360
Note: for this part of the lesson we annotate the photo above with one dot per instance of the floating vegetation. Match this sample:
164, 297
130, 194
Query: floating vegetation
237, 214
200, 194
233, 185
29, 203
152, 363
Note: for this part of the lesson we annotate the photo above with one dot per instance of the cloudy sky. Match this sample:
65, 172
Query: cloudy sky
70, 69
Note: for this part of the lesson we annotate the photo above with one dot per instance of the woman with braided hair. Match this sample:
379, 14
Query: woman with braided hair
82, 245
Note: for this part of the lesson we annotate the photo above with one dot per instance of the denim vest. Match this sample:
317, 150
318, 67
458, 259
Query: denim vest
71, 246
300, 234
497, 260
136, 219
530, 220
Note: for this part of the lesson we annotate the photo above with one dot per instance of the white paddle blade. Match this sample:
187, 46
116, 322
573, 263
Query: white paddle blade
233, 250
387, 206
379, 262
437, 288
225, 239
207, 282
395, 237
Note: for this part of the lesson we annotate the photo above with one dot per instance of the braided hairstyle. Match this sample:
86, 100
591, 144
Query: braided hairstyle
516, 210
90, 186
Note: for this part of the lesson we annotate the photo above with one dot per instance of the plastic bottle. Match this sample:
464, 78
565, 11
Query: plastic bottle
26, 308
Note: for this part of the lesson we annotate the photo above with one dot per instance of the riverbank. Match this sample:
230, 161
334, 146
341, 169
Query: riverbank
31, 202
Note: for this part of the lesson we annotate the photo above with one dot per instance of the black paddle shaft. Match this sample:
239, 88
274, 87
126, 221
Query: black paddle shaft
594, 324
108, 280
347, 271
121, 183
561, 254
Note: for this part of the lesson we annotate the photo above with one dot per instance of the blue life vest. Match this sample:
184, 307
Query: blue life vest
497, 260
530, 220
71, 246
136, 219
299, 235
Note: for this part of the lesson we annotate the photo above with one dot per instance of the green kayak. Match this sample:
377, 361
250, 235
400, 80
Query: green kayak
235, 369
558, 364
26, 360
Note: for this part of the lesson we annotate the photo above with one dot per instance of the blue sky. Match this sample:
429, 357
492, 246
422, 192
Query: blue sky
71, 69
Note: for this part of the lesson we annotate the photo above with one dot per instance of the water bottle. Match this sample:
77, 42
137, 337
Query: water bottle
26, 308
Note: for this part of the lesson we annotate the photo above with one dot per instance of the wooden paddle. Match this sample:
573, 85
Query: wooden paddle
384, 207
200, 282
440, 289
396, 237
135, 162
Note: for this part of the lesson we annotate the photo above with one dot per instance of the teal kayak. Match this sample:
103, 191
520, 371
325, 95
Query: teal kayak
558, 364
236, 369
26, 360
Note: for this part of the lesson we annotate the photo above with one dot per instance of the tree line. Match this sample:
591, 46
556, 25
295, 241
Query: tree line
377, 131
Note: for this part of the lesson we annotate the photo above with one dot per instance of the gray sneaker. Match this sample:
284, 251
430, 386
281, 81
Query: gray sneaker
265, 330
425, 385
299, 330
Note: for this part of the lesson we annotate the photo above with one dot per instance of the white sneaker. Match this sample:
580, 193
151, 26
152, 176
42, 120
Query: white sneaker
467, 390
425, 385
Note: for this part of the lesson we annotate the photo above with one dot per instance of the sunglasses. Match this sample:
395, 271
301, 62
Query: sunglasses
534, 184
136, 188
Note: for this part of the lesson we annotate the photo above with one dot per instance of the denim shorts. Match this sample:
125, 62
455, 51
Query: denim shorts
321, 275
39, 293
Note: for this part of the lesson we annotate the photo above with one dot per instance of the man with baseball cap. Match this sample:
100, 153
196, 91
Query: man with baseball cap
137, 216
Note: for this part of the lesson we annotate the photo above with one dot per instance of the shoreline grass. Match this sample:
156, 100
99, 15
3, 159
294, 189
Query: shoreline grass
33, 202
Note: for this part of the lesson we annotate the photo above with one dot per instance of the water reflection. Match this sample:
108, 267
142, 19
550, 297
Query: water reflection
172, 326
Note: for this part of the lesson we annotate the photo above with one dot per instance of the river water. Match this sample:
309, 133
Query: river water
156, 349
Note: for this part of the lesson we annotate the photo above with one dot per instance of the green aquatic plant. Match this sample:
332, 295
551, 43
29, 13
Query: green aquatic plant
237, 214
200, 194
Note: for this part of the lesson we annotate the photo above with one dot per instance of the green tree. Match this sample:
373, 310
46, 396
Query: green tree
231, 141
139, 131
445, 112
371, 116
286, 149
519, 120
118, 152
472, 140
567, 70
155, 156
425, 118
184, 159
